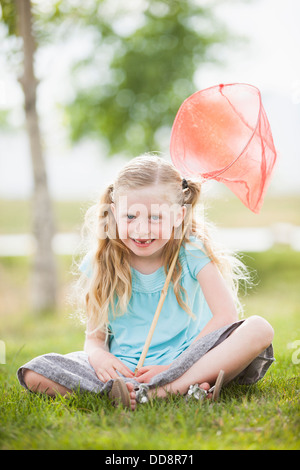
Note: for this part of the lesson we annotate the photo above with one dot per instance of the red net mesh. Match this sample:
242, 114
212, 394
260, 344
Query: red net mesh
223, 133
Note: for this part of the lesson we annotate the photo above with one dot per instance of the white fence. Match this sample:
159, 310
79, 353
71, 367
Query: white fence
237, 239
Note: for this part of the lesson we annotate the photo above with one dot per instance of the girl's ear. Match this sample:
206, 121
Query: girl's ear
180, 216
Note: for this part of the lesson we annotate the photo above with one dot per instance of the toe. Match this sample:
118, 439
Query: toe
205, 386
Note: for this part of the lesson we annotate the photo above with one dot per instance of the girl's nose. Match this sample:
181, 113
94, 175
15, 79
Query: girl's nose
142, 227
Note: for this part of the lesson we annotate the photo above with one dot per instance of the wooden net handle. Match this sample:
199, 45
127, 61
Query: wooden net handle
157, 312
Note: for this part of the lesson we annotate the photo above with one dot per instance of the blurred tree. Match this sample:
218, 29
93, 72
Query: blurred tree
17, 15
155, 48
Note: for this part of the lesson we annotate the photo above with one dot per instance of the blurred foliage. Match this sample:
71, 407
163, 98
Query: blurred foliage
8, 15
4, 119
132, 99
140, 66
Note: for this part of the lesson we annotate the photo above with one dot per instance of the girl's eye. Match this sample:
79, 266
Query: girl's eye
154, 218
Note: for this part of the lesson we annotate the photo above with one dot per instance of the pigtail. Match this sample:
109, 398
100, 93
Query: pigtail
191, 192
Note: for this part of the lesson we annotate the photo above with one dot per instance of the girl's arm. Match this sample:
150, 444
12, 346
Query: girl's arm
105, 364
218, 298
95, 341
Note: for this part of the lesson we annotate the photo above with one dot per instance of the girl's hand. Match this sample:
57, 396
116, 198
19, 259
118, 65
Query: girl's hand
144, 374
106, 365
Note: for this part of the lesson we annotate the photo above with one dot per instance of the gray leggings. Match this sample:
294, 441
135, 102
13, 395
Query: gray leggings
74, 371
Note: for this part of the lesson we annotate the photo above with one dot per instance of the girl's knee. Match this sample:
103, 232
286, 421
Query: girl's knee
261, 330
38, 383
33, 380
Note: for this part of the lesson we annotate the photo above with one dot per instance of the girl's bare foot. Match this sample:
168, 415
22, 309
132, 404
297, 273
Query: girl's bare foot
130, 388
206, 386
123, 393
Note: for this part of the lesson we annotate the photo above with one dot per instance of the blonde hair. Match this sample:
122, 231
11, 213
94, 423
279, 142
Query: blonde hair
110, 285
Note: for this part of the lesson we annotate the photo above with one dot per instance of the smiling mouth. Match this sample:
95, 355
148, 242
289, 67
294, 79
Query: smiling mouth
140, 242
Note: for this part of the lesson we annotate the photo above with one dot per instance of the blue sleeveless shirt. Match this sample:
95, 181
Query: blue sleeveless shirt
175, 329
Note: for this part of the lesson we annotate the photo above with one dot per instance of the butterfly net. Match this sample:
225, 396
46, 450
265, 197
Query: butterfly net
223, 133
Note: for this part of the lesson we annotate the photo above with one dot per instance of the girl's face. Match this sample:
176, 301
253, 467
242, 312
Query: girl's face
146, 219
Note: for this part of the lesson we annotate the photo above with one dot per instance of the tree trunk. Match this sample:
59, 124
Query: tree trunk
44, 283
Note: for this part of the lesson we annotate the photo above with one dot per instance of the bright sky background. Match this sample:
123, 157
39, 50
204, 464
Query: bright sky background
270, 61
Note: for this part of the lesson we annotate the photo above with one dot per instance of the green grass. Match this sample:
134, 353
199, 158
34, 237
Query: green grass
230, 212
15, 215
263, 416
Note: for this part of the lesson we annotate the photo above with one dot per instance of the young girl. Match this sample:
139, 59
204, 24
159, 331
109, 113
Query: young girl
139, 224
